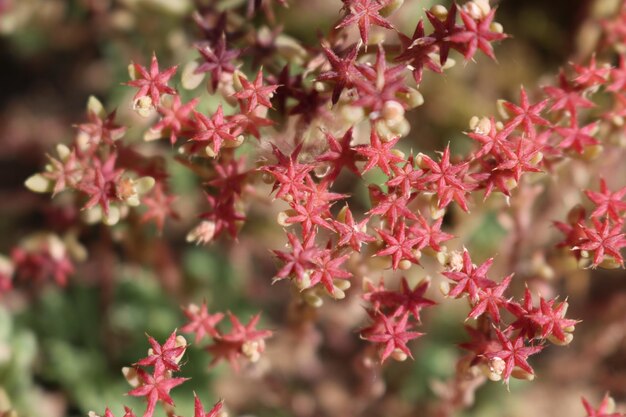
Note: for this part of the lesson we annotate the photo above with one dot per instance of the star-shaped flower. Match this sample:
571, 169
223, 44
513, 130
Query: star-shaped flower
514, 354
255, 93
603, 239
217, 60
395, 334
339, 154
525, 114
477, 35
152, 83
379, 153
215, 129
155, 388
201, 323
607, 202
364, 13
164, 357
343, 70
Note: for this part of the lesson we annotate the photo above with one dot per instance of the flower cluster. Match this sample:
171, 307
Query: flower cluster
155, 384
302, 122
605, 409
595, 240
242, 340
40, 258
502, 350
390, 313
108, 178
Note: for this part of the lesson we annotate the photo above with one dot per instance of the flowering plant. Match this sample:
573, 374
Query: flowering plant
314, 150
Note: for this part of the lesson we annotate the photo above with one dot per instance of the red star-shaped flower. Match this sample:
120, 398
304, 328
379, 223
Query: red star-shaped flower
217, 60
152, 83
155, 388
395, 334
201, 323
607, 202
343, 72
255, 93
525, 114
216, 129
339, 154
364, 13
477, 35
514, 354
603, 239
164, 357
379, 153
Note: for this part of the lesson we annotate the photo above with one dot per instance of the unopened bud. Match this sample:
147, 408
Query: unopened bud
592, 152
496, 27
202, 233
282, 217
303, 282
237, 76
609, 262
392, 111
290, 49
399, 355
143, 106
131, 376
494, 369
352, 114
567, 340
338, 294
398, 153
439, 11
404, 265
413, 98
190, 80
342, 284
250, 349
444, 288
312, 299
391, 7
519, 373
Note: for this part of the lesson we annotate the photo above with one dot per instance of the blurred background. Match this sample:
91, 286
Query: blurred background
61, 349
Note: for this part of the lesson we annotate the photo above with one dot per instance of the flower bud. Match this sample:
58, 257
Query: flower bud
413, 98
337, 293
233, 143
251, 350
190, 80
609, 262
143, 106
392, 6
568, 339
439, 11
592, 152
304, 282
38, 183
130, 374
202, 233
95, 106
113, 216
444, 288
342, 284
494, 368
399, 355
312, 299
519, 373
352, 114
404, 265
496, 27
392, 111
